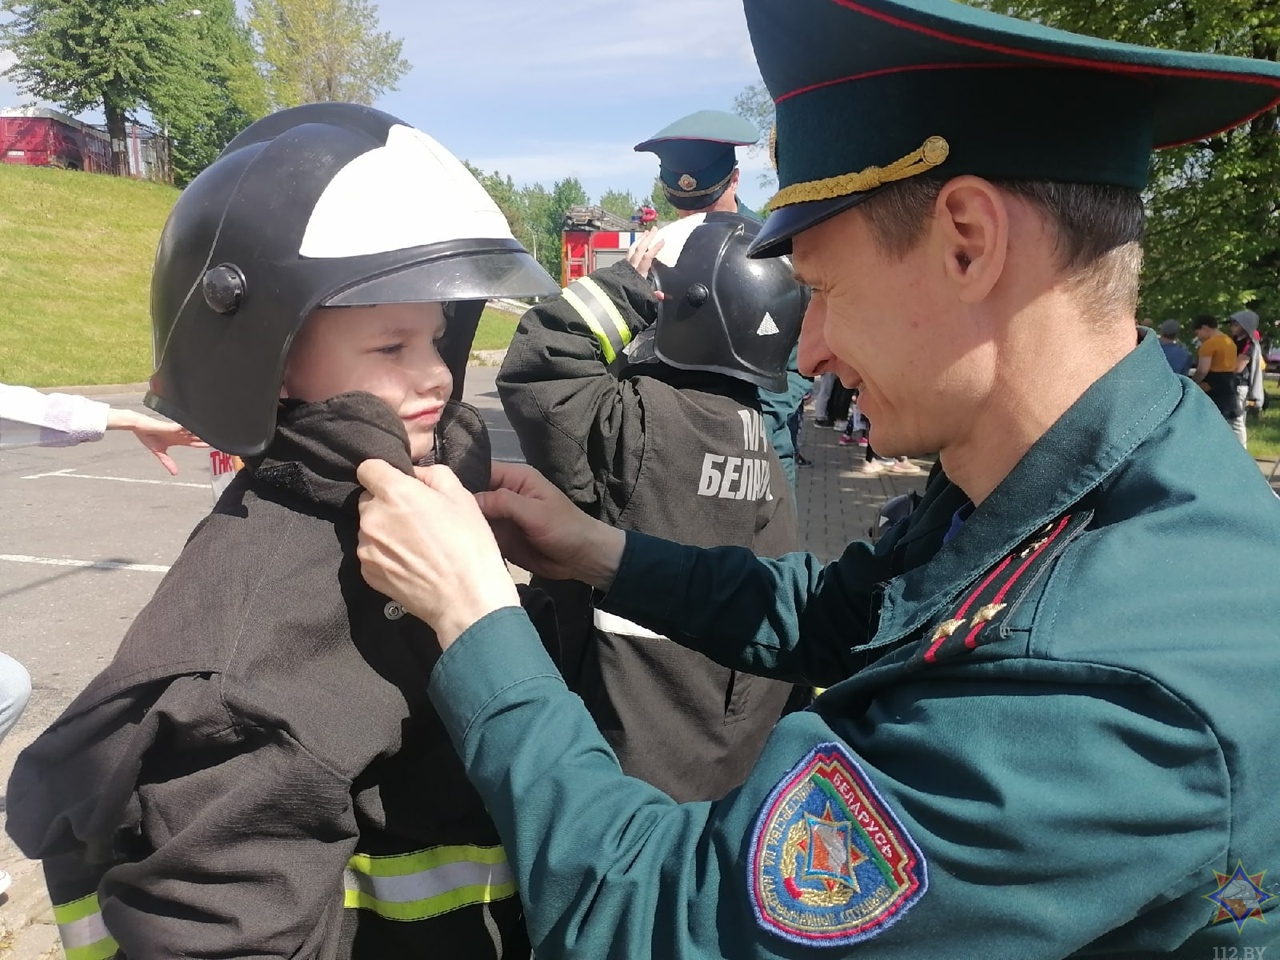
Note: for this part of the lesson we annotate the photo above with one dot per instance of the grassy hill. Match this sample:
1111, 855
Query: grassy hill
75, 269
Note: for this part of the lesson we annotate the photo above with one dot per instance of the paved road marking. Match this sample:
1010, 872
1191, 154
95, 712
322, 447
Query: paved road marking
88, 564
71, 473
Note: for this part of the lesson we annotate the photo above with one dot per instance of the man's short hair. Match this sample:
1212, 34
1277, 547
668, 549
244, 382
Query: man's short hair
1170, 329
1098, 229
1205, 320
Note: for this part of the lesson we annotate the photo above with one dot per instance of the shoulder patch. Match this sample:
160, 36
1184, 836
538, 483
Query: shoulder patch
830, 865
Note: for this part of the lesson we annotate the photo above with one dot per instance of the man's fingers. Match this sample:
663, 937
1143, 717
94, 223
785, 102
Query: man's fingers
499, 504
377, 476
516, 477
439, 478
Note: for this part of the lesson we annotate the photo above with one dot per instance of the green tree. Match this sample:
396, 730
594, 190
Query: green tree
110, 54
755, 105
620, 203
564, 194
201, 122
1213, 233
545, 241
667, 213
321, 50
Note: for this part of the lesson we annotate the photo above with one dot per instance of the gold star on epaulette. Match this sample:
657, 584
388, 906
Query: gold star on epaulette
947, 628
1033, 548
987, 612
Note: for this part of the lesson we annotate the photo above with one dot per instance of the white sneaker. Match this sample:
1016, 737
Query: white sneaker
905, 466
5, 881
873, 467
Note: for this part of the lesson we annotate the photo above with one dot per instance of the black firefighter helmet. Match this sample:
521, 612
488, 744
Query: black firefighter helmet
722, 312
324, 205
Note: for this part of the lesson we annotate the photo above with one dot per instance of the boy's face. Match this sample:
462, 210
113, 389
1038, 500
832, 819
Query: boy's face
388, 350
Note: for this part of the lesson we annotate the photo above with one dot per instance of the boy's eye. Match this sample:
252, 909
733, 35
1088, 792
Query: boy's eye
391, 349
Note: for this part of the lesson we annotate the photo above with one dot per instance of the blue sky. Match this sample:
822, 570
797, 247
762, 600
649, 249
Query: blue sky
546, 90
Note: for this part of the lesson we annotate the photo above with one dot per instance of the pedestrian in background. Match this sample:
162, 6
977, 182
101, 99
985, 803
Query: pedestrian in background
1179, 357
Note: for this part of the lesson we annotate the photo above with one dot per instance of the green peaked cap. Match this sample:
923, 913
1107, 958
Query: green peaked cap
697, 154
872, 91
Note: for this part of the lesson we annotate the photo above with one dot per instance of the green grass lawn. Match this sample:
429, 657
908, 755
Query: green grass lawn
1264, 434
75, 268
495, 330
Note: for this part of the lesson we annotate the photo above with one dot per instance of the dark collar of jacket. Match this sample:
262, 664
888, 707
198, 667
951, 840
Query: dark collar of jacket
318, 446
1073, 459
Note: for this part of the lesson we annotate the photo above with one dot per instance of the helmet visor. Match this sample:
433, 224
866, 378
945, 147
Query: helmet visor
462, 270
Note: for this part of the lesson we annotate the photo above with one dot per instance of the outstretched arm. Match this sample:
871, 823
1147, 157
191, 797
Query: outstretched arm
577, 422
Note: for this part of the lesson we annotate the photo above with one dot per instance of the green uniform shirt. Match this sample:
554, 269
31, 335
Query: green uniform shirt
1053, 735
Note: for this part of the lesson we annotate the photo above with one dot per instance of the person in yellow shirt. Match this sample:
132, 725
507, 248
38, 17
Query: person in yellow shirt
1216, 366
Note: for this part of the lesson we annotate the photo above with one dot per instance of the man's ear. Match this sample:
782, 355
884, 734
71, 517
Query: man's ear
972, 231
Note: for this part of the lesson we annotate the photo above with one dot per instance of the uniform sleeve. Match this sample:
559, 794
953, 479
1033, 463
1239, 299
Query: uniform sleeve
31, 418
749, 613
233, 838
933, 821
577, 422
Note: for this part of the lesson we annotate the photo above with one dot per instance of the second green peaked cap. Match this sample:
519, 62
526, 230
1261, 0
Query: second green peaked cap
868, 92
697, 155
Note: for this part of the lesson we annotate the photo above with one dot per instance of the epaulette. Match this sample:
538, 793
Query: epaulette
977, 618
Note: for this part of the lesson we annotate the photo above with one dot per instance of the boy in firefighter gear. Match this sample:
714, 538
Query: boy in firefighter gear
674, 445
1049, 727
698, 170
258, 772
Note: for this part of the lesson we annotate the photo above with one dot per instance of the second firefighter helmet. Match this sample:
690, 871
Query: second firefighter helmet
323, 205
720, 311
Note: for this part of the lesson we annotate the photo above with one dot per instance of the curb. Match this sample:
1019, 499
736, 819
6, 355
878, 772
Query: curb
99, 389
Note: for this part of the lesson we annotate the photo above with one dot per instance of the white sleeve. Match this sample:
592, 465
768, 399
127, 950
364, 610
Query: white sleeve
31, 418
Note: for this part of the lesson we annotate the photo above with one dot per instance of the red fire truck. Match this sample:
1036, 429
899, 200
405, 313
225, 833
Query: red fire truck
593, 238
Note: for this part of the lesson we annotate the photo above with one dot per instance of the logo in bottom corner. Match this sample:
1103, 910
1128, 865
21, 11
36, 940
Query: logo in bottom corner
830, 863
1239, 896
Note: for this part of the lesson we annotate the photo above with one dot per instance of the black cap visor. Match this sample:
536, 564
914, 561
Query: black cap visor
774, 238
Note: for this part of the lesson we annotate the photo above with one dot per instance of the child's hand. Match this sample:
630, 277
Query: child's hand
643, 252
156, 435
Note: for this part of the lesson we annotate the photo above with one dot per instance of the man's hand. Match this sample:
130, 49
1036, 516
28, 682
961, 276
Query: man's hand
156, 435
425, 543
541, 530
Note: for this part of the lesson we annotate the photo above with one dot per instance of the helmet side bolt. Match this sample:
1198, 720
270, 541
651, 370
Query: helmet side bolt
697, 295
223, 288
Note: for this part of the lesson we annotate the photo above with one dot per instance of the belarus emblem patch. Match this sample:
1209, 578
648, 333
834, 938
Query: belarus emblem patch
830, 863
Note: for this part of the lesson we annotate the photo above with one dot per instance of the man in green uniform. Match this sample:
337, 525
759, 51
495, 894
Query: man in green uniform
699, 173
1046, 733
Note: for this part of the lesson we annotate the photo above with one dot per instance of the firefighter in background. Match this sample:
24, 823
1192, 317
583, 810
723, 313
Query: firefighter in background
699, 173
673, 445
259, 772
